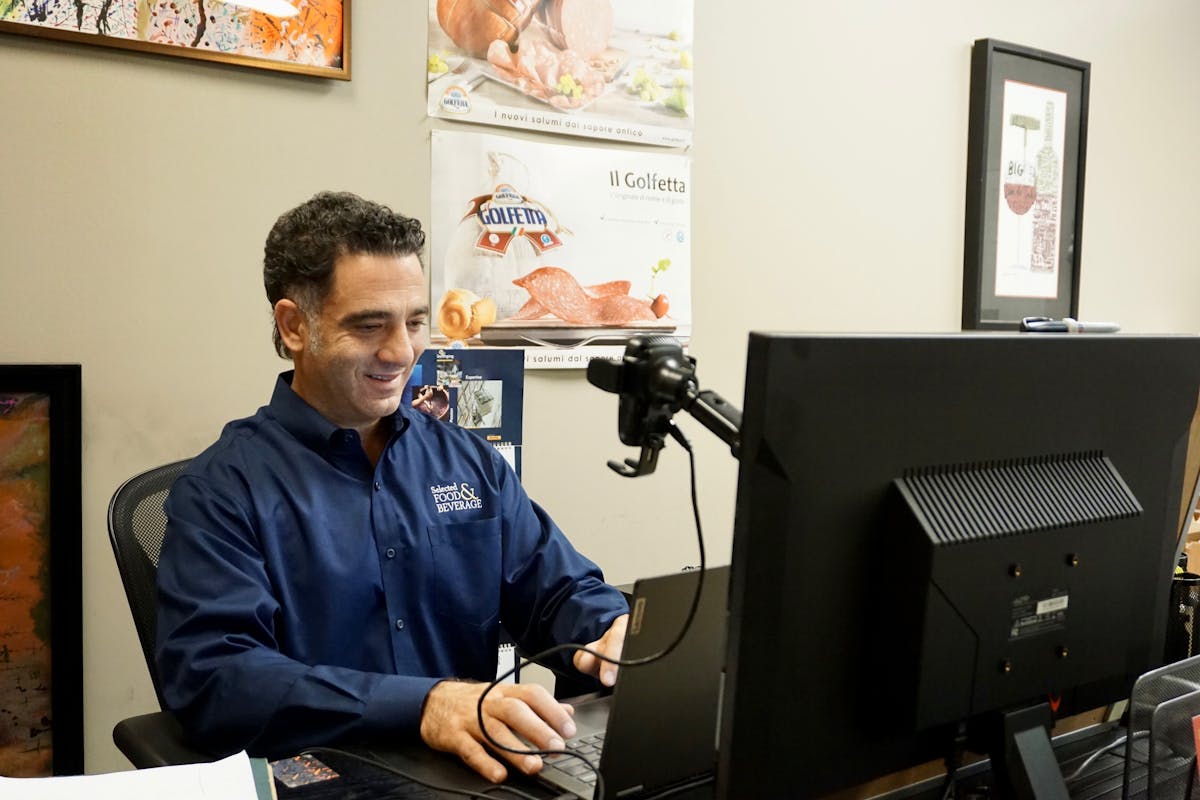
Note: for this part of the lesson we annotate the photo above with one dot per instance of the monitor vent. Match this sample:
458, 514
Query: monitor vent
980, 501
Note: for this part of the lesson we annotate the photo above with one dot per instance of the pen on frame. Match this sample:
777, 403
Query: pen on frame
1066, 325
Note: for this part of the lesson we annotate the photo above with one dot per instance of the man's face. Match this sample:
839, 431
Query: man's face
354, 356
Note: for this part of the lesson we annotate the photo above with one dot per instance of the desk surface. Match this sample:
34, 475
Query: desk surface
358, 780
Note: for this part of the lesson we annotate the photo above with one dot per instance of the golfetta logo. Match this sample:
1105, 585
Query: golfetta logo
456, 100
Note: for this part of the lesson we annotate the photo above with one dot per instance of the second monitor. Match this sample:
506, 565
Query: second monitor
937, 537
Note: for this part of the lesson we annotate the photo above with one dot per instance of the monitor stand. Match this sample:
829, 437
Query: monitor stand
1024, 766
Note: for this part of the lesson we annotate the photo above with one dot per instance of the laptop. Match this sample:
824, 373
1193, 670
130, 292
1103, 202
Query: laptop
658, 728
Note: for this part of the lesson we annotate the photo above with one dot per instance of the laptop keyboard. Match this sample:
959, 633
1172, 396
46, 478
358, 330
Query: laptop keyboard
587, 746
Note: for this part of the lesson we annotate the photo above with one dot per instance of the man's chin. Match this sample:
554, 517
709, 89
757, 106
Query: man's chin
382, 404
385, 408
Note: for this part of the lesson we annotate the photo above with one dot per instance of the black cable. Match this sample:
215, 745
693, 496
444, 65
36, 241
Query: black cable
386, 767
631, 662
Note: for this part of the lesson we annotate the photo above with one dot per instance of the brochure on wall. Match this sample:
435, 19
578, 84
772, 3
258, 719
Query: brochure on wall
482, 390
565, 251
606, 69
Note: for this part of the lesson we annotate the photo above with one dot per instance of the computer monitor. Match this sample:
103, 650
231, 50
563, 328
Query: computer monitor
936, 534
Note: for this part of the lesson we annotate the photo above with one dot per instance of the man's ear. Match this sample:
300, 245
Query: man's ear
292, 324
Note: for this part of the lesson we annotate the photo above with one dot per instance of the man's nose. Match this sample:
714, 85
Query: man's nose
399, 347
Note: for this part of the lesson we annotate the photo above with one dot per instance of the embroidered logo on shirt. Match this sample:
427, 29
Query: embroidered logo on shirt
455, 497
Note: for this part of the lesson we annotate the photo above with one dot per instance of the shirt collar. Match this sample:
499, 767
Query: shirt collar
306, 423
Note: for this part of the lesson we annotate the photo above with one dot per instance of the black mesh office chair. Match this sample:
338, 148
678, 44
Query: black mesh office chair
136, 525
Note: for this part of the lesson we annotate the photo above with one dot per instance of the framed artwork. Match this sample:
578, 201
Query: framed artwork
310, 37
41, 629
1027, 140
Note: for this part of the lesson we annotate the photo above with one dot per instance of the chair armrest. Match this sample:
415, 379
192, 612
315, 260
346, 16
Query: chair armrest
155, 740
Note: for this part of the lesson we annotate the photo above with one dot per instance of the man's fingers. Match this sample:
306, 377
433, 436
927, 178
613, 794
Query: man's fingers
615, 642
609, 645
475, 757
535, 716
548, 711
590, 664
522, 759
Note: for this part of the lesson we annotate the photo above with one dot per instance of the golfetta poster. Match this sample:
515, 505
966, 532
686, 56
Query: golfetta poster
562, 250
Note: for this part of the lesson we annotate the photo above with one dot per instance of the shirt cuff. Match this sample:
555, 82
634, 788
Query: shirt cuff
396, 704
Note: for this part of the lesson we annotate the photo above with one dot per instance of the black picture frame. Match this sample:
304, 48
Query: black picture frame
36, 399
1009, 198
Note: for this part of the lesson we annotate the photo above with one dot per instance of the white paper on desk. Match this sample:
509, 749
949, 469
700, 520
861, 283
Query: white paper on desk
227, 779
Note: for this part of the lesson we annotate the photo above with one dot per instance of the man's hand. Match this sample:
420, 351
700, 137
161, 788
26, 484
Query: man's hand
610, 645
450, 723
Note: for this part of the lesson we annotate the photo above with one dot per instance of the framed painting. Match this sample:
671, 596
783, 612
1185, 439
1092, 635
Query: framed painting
310, 37
1027, 141
41, 641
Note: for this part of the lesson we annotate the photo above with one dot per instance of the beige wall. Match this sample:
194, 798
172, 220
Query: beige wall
829, 171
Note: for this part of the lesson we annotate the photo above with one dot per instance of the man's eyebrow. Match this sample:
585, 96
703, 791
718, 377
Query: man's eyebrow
370, 315
379, 315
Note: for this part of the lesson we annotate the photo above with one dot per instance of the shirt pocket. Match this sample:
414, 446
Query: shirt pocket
466, 567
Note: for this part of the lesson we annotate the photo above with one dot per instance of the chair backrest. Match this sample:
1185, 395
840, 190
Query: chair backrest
136, 527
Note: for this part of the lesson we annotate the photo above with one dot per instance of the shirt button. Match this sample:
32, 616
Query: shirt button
390, 552
399, 624
378, 486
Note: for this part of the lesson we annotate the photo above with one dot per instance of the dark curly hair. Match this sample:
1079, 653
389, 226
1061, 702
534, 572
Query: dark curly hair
306, 242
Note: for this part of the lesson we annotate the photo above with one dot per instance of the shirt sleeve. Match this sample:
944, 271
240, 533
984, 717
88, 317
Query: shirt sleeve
220, 670
554, 595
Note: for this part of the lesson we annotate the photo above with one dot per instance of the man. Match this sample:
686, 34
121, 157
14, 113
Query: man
336, 566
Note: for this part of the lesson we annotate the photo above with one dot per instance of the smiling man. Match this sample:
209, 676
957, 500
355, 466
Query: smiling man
316, 585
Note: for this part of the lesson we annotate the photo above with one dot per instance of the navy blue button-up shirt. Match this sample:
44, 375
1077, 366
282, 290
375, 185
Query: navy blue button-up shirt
306, 597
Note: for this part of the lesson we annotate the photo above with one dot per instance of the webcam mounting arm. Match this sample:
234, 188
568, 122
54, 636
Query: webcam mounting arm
655, 381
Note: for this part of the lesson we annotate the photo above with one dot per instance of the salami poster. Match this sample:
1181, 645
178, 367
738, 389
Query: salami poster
606, 69
564, 251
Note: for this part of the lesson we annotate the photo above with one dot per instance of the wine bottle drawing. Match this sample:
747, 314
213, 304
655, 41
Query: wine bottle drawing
1020, 179
1044, 256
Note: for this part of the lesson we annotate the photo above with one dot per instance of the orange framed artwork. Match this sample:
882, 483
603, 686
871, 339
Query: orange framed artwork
41, 643
309, 37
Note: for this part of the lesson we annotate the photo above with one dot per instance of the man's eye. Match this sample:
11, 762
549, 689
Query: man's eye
416, 324
369, 327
